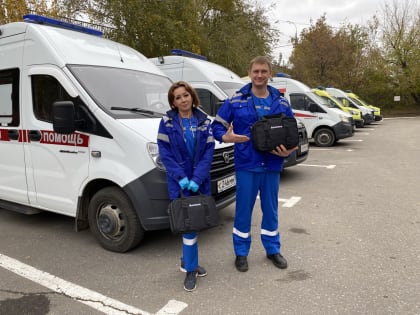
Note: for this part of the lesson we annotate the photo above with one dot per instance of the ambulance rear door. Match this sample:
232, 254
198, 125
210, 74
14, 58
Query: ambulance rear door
13, 185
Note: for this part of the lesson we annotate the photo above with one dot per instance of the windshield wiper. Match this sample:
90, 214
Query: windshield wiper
135, 109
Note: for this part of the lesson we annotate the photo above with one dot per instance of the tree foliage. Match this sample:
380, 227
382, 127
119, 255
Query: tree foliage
327, 56
13, 10
377, 61
401, 38
228, 32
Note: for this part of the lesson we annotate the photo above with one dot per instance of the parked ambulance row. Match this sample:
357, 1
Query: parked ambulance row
79, 117
329, 114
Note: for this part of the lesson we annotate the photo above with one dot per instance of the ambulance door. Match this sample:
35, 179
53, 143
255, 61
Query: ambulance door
12, 159
57, 164
300, 105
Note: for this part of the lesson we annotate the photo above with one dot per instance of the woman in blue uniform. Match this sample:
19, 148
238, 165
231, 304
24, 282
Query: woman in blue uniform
186, 147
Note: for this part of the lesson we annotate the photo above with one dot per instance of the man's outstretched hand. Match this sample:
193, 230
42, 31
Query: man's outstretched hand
231, 137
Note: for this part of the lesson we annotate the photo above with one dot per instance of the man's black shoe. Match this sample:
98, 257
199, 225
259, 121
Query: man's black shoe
278, 260
241, 263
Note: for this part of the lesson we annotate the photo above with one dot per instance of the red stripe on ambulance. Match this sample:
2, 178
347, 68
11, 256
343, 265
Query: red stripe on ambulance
3, 135
305, 115
49, 137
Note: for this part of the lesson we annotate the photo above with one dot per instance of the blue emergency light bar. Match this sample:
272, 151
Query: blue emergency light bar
186, 53
39, 19
283, 75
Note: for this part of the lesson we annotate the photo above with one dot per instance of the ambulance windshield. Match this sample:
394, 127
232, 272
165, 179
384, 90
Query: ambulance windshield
230, 88
113, 88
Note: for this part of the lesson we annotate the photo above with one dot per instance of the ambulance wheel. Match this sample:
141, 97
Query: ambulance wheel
113, 220
360, 123
324, 137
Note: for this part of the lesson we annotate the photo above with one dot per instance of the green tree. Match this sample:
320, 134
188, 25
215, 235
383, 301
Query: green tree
374, 85
313, 57
234, 33
228, 32
401, 39
12, 10
327, 56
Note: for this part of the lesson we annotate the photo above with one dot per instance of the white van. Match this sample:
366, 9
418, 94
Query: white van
214, 84
79, 117
367, 113
324, 124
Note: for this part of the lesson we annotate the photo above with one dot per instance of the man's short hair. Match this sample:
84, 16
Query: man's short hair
261, 60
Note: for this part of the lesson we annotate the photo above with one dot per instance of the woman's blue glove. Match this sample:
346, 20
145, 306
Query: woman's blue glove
183, 183
193, 186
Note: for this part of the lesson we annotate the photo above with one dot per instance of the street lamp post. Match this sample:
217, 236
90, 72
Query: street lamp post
294, 24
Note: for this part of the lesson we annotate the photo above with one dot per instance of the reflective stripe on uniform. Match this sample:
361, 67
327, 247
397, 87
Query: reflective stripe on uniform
269, 233
241, 234
163, 137
189, 242
222, 121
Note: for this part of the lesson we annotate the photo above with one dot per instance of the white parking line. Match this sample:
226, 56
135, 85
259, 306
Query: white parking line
331, 166
173, 307
91, 298
287, 203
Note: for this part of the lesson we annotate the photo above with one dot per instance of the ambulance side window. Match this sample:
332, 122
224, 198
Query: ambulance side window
298, 101
45, 91
9, 97
208, 101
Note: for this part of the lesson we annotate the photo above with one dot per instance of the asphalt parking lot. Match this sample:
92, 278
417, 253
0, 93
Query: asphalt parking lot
350, 228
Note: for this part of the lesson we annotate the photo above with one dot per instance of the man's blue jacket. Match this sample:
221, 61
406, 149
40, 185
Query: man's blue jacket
240, 111
174, 153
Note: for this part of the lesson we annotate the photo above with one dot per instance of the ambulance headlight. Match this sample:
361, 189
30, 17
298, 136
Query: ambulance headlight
153, 150
344, 118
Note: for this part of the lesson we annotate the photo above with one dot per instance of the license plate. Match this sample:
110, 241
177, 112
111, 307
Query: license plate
304, 147
226, 183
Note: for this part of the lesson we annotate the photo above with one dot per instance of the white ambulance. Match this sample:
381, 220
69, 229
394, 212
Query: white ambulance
367, 113
215, 83
79, 116
324, 124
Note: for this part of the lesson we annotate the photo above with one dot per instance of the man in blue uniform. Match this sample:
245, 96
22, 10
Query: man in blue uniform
256, 172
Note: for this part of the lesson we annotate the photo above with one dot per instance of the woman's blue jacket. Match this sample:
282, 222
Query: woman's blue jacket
174, 153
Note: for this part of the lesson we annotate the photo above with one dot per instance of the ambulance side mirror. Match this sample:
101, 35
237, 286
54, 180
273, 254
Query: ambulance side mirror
313, 108
63, 117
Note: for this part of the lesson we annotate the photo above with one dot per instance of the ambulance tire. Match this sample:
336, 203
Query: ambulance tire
113, 220
324, 137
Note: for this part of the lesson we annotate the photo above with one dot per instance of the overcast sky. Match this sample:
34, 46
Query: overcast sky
301, 12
